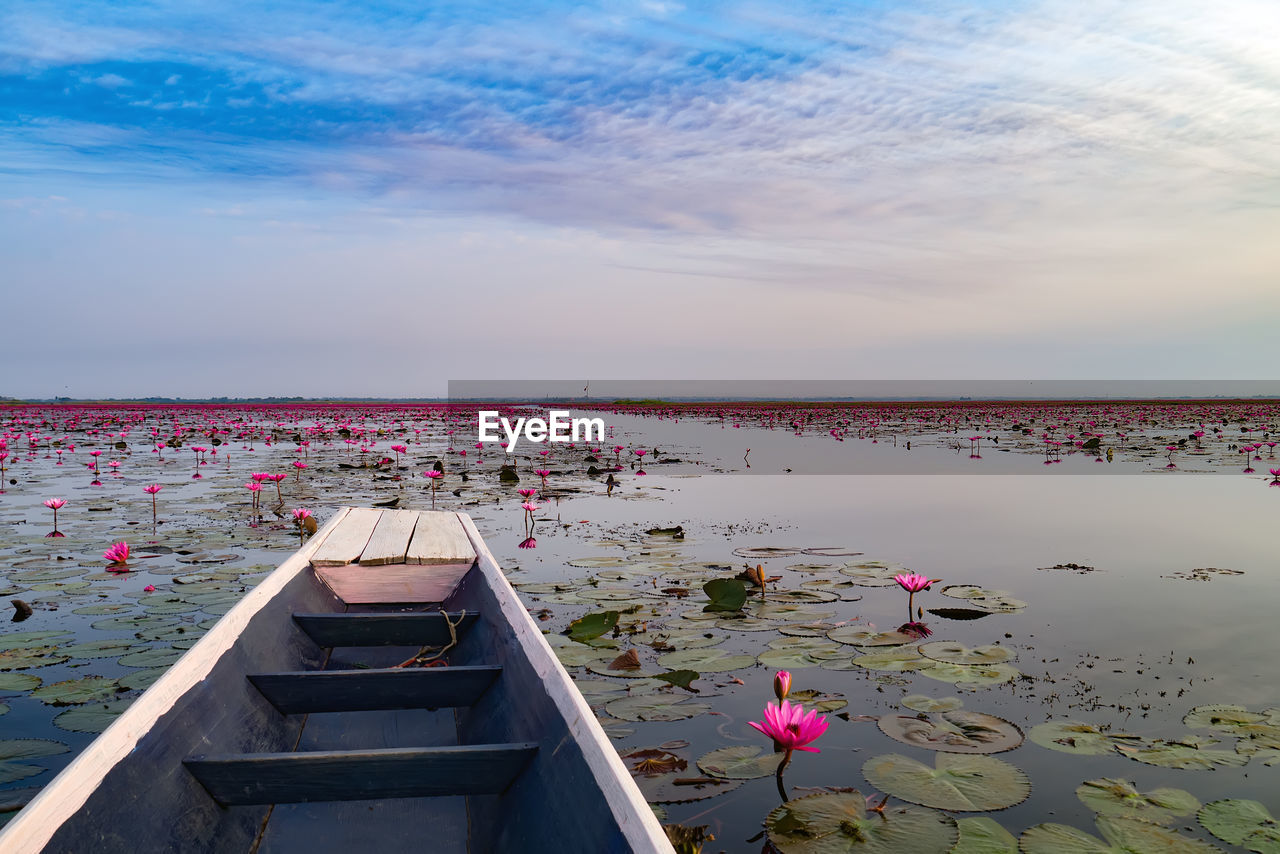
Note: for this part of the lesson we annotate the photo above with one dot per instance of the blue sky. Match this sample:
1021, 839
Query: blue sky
374, 198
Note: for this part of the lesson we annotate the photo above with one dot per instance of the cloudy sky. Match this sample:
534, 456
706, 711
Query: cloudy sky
374, 198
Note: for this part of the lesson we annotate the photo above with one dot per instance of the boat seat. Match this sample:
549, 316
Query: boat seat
352, 775
361, 629
364, 690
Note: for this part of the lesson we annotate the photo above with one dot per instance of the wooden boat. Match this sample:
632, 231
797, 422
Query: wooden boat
288, 728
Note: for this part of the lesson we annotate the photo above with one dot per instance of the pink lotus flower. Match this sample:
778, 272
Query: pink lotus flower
150, 588
528, 543
790, 727
529, 508
782, 684
55, 503
527, 493
152, 489
118, 553
433, 474
913, 583
300, 513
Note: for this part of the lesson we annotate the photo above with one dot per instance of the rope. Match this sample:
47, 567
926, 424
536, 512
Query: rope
425, 657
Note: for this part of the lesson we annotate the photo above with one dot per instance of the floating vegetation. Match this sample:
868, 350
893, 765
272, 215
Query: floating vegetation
1121, 797
747, 762
1242, 822
957, 782
1122, 834
837, 822
1081, 738
1207, 573
953, 731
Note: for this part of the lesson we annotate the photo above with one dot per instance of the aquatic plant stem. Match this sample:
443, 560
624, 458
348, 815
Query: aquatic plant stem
782, 767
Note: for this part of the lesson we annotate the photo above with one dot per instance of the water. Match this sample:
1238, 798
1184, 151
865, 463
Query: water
1134, 643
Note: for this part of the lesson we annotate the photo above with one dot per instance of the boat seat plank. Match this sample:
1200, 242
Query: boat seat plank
352, 775
429, 629
390, 540
439, 538
437, 825
362, 690
346, 542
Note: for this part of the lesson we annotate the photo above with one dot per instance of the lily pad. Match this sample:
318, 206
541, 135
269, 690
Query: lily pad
141, 679
746, 762
856, 636
951, 652
73, 692
837, 823
1233, 720
766, 552
706, 660
1123, 836
726, 594
156, 657
981, 597
1188, 753
873, 574
1080, 738
921, 703
92, 718
592, 626
1120, 797
959, 674
100, 648
897, 660
665, 788
957, 782
598, 562
984, 835
655, 707
1242, 822
27, 657
25, 748
14, 640
18, 682
957, 731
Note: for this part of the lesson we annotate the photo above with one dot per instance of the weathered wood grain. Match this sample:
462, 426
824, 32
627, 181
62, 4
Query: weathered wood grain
390, 539
345, 543
439, 538
363, 690
357, 584
351, 775
334, 630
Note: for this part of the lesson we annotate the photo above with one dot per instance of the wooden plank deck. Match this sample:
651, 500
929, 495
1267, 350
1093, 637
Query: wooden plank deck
390, 540
346, 541
440, 538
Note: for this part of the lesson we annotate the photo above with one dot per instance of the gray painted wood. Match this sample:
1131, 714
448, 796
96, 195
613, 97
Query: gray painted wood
439, 538
362, 690
347, 775
420, 629
346, 542
357, 584
390, 540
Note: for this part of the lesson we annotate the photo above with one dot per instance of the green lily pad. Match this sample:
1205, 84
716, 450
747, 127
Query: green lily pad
951, 652
872, 574
726, 594
663, 788
706, 660
959, 674
674, 640
766, 552
30, 748
19, 682
789, 653
898, 659
1121, 797
92, 718
27, 657
73, 692
1123, 836
655, 707
957, 731
1080, 738
25, 748
957, 782
598, 562
746, 762
679, 678
847, 590
921, 703
107, 648
1234, 720
984, 835
142, 679
156, 657
855, 636
1188, 753
805, 630
592, 626
1242, 822
14, 640
837, 823
981, 597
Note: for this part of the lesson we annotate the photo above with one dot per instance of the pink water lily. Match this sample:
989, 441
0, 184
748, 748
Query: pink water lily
55, 504
790, 727
782, 684
913, 583
117, 553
